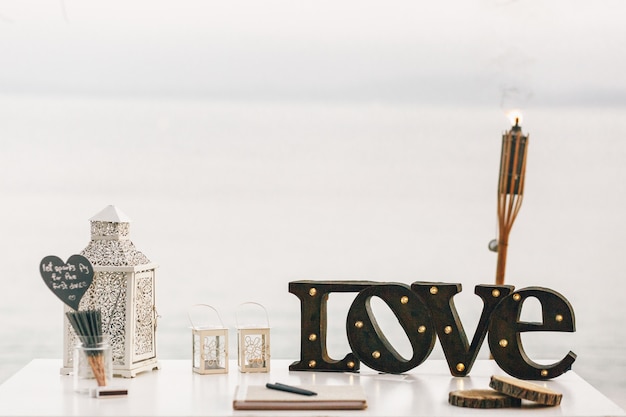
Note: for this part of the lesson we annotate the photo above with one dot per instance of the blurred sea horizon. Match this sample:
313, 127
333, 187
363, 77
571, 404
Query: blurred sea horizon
235, 199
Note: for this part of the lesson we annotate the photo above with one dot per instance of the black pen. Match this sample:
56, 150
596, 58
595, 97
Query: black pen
288, 388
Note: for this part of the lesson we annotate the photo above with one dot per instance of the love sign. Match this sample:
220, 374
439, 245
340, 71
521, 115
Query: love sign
67, 280
426, 310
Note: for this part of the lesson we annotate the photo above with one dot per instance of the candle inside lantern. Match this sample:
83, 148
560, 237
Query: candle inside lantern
255, 350
212, 353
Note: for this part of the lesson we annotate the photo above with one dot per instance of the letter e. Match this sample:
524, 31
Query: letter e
505, 329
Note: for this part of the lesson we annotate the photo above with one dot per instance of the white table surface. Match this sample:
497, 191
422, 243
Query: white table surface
174, 390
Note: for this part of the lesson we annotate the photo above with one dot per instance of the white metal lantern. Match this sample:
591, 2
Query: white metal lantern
123, 289
253, 342
209, 343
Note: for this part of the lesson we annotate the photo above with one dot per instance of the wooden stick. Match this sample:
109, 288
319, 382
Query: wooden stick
96, 362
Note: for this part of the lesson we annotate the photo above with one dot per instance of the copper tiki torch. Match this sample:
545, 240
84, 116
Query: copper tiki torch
510, 190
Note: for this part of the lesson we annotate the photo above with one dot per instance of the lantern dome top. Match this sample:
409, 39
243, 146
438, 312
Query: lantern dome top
111, 214
110, 243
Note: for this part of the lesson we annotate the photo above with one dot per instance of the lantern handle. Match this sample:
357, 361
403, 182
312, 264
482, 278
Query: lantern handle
267, 317
193, 326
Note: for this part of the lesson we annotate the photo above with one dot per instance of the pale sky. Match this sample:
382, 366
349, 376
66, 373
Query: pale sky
535, 52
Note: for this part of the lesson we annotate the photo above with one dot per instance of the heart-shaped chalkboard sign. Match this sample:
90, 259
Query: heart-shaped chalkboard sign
67, 280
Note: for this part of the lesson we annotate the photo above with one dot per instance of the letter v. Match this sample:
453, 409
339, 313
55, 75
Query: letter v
438, 297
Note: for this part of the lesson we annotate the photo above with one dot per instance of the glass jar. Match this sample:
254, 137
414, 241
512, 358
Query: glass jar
93, 365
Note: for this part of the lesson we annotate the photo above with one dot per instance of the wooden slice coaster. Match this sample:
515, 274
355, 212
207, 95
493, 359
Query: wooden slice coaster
525, 390
482, 398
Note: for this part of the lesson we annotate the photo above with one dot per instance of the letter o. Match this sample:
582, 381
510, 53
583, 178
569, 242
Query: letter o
367, 340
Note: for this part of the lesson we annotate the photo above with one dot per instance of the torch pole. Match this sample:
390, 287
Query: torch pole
510, 190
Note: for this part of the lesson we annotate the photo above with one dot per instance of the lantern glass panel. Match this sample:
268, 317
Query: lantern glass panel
210, 351
254, 350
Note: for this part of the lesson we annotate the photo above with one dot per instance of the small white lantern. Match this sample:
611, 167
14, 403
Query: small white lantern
123, 288
253, 343
209, 343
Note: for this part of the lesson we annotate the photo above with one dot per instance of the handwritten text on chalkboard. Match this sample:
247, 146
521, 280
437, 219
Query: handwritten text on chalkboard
67, 280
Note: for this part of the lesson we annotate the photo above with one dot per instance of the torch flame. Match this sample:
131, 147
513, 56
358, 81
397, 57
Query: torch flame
514, 116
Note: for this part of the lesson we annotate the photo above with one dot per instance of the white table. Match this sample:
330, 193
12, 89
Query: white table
174, 390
